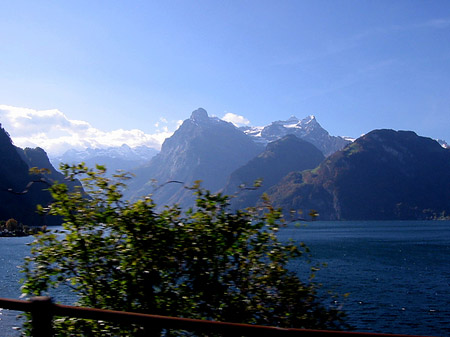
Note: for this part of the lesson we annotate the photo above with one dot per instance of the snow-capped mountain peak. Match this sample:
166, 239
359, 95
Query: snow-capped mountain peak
308, 129
115, 157
293, 119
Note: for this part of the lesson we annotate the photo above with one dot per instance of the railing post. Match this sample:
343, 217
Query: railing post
41, 316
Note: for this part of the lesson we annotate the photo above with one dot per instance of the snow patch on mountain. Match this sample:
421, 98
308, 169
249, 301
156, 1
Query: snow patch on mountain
115, 157
307, 128
443, 143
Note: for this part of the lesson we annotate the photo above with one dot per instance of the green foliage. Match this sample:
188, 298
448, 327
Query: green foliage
206, 263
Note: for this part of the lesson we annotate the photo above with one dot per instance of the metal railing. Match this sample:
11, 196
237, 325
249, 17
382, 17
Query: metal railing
43, 310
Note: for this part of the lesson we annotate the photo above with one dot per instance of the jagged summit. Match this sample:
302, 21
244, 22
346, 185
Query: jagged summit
307, 129
293, 119
309, 119
199, 115
202, 148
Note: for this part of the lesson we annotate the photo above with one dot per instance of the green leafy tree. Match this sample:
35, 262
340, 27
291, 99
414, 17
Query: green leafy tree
206, 262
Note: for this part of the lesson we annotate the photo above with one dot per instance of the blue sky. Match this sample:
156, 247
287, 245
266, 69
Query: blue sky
123, 65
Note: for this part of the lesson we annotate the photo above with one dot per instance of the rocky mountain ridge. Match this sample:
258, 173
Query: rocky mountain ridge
203, 148
114, 158
307, 129
279, 158
38, 158
383, 175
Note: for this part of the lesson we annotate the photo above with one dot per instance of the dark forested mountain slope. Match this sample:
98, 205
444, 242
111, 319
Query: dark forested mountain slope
203, 148
383, 175
279, 158
38, 158
14, 178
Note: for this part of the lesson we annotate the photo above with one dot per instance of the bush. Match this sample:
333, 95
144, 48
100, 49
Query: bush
206, 262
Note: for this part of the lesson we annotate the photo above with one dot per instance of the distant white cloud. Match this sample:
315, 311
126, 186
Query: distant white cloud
440, 23
235, 119
162, 120
55, 133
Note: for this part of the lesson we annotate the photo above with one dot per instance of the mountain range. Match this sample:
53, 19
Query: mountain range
307, 129
114, 158
382, 175
302, 167
210, 149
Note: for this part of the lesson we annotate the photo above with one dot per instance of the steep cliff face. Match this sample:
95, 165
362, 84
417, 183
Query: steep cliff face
14, 179
203, 148
278, 159
38, 158
383, 175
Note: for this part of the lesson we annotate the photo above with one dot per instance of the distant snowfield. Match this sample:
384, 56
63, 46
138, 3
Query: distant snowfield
114, 158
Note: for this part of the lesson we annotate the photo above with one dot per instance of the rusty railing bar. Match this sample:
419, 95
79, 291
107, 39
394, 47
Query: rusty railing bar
179, 323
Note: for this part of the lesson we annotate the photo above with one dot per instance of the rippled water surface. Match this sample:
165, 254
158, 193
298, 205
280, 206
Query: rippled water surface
397, 273
13, 250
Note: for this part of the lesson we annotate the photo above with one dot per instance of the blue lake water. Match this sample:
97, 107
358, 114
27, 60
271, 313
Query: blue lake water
13, 250
397, 273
